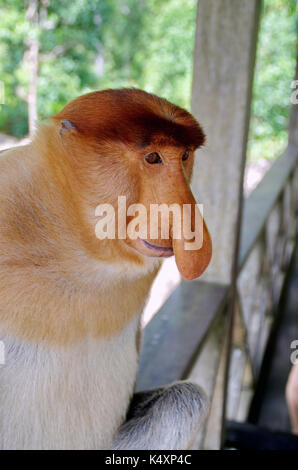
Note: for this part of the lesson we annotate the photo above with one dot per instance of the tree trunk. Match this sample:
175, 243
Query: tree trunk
33, 53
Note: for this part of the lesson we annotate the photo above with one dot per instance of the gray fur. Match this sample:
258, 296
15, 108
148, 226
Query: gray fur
165, 418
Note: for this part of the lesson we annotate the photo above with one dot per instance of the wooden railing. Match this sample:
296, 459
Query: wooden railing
190, 336
186, 338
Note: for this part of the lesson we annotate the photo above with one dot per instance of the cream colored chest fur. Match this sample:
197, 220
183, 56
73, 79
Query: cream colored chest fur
66, 397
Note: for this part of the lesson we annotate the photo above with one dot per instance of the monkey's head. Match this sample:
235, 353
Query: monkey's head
133, 144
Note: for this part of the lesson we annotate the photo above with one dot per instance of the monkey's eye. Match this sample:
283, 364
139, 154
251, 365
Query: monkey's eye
185, 155
153, 158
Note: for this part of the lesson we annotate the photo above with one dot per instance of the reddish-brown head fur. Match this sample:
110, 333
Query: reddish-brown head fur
132, 116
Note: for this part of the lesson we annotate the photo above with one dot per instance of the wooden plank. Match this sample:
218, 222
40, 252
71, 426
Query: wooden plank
213, 433
205, 370
237, 365
246, 393
173, 337
259, 204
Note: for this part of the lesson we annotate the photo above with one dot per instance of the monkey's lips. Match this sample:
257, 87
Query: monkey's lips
150, 249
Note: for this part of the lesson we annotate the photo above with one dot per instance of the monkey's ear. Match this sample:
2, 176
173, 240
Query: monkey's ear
67, 127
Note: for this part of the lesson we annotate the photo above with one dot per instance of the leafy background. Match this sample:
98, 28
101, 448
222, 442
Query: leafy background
88, 45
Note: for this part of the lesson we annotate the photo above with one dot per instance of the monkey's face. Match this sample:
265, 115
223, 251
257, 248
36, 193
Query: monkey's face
170, 223
133, 145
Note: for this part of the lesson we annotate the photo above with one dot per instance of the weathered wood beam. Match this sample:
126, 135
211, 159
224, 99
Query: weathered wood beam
173, 336
223, 71
259, 204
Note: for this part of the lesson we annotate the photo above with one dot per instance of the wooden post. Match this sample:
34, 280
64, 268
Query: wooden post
223, 72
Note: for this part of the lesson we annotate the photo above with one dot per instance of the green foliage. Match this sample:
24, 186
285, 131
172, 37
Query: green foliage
70, 35
88, 45
12, 47
274, 73
169, 35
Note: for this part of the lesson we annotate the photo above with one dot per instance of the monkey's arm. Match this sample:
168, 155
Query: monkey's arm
168, 417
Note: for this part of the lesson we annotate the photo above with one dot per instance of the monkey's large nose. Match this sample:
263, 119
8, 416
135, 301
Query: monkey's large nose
192, 254
193, 262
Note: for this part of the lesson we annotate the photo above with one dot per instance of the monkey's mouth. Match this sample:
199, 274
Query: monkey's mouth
156, 250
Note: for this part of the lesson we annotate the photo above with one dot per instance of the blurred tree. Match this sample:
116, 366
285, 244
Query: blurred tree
84, 45
81, 46
13, 32
32, 16
152, 47
275, 67
63, 40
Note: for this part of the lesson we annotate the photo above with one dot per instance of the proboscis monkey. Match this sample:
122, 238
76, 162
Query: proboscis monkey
70, 303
